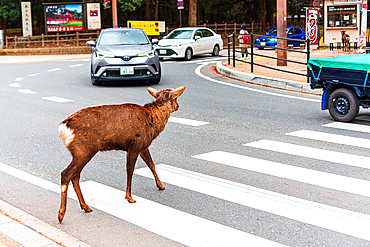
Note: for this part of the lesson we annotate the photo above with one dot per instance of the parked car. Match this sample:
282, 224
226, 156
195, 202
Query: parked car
123, 54
189, 41
291, 32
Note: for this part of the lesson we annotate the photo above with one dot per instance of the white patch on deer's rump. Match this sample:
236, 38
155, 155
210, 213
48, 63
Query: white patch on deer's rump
66, 134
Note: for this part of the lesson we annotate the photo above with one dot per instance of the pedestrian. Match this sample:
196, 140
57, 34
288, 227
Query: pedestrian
243, 39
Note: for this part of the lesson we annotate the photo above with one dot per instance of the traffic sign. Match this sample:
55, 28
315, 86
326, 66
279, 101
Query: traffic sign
180, 4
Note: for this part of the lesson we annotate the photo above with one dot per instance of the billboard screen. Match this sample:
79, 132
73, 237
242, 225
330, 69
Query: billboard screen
64, 17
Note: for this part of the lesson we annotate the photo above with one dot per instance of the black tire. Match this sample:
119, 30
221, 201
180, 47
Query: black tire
260, 48
158, 78
94, 81
343, 105
161, 59
216, 51
188, 54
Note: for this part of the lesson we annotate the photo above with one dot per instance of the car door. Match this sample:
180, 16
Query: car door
198, 44
209, 39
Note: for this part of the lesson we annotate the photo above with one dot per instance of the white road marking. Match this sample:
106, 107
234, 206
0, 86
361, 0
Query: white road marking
76, 65
349, 126
168, 222
207, 60
186, 121
313, 153
51, 70
14, 85
19, 79
27, 91
333, 138
57, 99
198, 69
332, 218
327, 180
35, 74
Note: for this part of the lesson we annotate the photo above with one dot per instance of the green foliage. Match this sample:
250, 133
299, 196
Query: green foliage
130, 5
10, 9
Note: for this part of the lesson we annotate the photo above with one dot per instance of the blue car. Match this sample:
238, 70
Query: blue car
291, 32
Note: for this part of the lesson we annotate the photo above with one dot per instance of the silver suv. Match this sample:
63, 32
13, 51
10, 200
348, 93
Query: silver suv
123, 54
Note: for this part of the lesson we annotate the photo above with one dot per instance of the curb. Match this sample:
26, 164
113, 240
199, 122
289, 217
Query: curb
47, 51
30, 231
267, 81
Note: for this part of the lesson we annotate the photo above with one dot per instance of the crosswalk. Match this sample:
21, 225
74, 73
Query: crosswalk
199, 60
192, 230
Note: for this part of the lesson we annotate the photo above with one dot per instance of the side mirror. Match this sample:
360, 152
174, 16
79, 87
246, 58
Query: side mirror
197, 37
154, 41
90, 43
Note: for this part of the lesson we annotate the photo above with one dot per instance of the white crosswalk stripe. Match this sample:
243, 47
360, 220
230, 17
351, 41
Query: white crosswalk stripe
349, 126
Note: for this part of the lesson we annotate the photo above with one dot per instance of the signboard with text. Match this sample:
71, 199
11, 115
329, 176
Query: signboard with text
151, 28
93, 16
26, 19
312, 24
63, 17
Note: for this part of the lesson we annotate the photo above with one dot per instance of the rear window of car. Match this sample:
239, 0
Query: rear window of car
180, 34
123, 37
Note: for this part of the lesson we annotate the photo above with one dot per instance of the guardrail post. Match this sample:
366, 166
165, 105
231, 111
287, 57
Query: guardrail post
308, 57
252, 42
228, 49
233, 50
57, 39
77, 38
42, 40
15, 41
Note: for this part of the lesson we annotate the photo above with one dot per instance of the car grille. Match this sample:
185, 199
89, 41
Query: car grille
169, 52
116, 73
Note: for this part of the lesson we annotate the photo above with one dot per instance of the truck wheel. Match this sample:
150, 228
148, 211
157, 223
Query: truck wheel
343, 105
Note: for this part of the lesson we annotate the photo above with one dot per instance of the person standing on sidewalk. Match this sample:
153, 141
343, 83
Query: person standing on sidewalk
243, 39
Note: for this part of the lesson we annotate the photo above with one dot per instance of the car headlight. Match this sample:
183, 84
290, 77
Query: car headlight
257, 40
102, 55
149, 54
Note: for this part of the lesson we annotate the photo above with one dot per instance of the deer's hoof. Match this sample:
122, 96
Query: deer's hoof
60, 216
130, 200
87, 209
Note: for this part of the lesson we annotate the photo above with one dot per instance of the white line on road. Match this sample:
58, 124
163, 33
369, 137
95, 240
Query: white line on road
14, 85
314, 153
57, 99
27, 91
327, 180
51, 70
19, 79
349, 126
332, 218
186, 121
333, 138
198, 72
76, 65
34, 74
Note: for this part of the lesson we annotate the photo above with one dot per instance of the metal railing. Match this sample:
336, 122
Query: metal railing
233, 41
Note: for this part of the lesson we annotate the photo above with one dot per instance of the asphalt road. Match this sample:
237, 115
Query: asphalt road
261, 168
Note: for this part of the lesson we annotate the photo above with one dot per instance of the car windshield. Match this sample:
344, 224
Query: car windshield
124, 37
180, 34
274, 31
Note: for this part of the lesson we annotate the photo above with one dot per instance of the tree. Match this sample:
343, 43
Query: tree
130, 5
193, 13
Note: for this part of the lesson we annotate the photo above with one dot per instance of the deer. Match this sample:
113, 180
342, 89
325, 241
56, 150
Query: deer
127, 127
345, 40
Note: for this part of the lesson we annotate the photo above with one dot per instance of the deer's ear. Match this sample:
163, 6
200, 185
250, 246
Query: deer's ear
152, 92
177, 92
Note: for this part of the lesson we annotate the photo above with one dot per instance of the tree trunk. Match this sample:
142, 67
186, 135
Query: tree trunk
193, 13
156, 10
147, 10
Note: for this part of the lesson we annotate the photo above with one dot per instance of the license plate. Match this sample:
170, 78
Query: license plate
263, 43
162, 51
127, 70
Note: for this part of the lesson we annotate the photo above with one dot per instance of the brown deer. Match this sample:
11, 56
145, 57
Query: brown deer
126, 127
345, 40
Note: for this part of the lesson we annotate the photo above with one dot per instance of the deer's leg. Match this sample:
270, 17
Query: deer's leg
74, 169
130, 166
76, 186
145, 155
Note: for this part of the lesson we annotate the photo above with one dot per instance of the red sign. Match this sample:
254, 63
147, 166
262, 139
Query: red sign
64, 29
312, 24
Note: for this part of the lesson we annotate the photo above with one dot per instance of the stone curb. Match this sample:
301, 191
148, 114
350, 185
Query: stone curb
267, 81
47, 51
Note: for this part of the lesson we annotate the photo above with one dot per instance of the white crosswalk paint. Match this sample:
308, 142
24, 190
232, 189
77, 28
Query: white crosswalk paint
27, 91
19, 79
333, 138
186, 121
55, 69
327, 180
314, 153
76, 65
57, 99
171, 223
332, 218
349, 126
14, 85
35, 74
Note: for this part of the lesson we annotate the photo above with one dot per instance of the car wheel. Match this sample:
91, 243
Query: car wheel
216, 50
94, 81
158, 78
188, 54
343, 105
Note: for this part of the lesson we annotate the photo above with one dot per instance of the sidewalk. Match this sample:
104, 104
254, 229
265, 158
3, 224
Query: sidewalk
40, 58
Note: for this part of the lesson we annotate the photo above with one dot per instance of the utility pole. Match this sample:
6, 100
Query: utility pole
114, 14
281, 31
